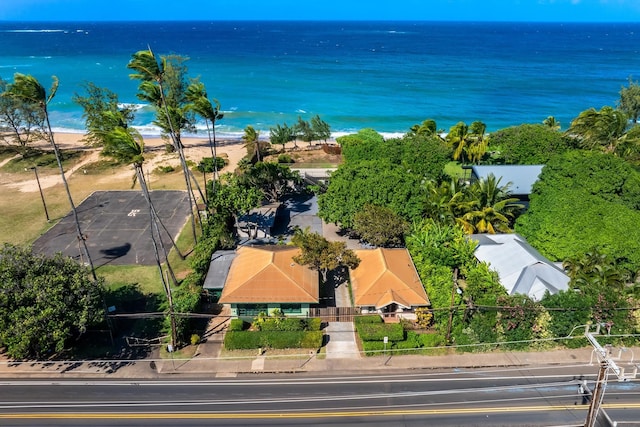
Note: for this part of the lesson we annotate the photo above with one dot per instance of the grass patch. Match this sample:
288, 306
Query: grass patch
101, 167
146, 277
454, 170
185, 242
45, 161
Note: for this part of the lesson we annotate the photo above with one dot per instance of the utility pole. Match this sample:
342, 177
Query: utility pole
597, 395
35, 171
606, 364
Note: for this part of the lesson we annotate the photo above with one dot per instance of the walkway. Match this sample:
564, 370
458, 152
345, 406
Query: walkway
342, 341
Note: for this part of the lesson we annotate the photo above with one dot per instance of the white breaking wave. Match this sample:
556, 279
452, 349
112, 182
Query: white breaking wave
35, 31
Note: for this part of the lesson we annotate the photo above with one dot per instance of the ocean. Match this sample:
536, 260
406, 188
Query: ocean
383, 75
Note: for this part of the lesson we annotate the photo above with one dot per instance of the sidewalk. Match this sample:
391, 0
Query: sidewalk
206, 366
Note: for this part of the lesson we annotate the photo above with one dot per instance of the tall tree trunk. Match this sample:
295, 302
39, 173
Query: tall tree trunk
153, 229
80, 236
177, 144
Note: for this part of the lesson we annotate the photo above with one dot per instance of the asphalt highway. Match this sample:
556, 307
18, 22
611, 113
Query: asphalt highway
508, 396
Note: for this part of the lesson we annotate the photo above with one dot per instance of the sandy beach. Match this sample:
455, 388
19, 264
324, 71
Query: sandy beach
155, 155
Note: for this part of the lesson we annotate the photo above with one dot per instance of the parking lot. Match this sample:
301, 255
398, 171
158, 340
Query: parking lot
116, 227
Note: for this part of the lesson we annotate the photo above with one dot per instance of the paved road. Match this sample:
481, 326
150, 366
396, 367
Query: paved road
461, 397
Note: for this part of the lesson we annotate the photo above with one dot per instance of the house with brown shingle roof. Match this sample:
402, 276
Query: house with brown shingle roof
265, 278
386, 282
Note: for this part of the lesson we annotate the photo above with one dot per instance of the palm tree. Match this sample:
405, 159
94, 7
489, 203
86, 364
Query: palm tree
468, 143
551, 123
199, 102
103, 113
28, 89
457, 137
427, 127
251, 140
599, 129
127, 145
478, 146
170, 117
493, 210
446, 201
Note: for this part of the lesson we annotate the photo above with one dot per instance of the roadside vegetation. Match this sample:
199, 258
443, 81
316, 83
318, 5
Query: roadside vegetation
408, 191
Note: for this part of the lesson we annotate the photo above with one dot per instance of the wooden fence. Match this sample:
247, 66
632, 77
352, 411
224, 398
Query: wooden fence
335, 314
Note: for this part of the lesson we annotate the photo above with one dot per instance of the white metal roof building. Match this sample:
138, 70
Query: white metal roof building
521, 177
521, 268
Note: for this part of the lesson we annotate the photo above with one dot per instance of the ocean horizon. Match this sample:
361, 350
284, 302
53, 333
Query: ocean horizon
382, 75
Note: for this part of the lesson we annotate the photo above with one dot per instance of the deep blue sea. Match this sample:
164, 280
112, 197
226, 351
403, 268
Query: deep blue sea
384, 75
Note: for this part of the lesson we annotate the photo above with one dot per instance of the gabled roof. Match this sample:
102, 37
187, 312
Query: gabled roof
521, 177
521, 268
387, 276
264, 274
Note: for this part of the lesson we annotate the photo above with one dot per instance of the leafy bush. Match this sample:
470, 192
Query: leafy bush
377, 332
527, 144
431, 340
237, 325
186, 299
243, 340
424, 317
165, 169
285, 158
312, 339
367, 319
286, 324
209, 164
314, 324
373, 348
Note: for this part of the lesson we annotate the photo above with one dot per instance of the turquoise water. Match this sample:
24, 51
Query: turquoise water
385, 75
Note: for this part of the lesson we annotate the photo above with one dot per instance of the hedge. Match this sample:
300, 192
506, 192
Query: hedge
358, 320
377, 332
237, 325
243, 340
287, 324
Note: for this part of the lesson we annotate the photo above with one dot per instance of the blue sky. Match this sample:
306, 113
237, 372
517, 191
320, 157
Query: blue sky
430, 10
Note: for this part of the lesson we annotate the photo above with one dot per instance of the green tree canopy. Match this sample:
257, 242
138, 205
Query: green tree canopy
21, 122
526, 144
44, 302
352, 186
102, 112
320, 128
380, 226
601, 129
281, 134
273, 179
584, 200
629, 101
322, 255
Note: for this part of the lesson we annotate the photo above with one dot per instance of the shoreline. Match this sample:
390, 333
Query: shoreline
226, 136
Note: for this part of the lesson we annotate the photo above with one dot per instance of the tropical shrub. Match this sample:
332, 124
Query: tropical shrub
377, 331
527, 144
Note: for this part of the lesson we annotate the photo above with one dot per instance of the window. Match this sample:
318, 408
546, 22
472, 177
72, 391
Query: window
291, 308
247, 310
